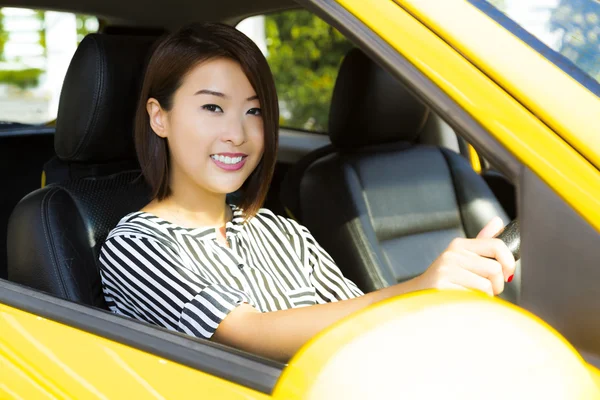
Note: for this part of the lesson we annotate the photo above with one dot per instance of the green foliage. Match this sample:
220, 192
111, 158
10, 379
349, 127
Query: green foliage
24, 78
305, 54
42, 17
82, 26
21, 78
579, 23
3, 35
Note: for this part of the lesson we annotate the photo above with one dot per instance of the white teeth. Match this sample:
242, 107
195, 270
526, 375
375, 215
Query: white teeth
226, 160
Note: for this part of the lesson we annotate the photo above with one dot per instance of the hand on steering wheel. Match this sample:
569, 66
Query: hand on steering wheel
484, 263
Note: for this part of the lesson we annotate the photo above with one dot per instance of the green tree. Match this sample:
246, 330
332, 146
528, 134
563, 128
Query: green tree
578, 22
41, 16
21, 78
3, 35
83, 25
304, 53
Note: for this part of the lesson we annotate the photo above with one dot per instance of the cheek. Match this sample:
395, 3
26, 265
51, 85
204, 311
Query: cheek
190, 136
256, 134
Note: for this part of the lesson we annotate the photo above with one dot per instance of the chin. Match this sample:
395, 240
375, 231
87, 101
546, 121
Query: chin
227, 188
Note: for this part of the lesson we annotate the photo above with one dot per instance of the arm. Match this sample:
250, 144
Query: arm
278, 335
483, 264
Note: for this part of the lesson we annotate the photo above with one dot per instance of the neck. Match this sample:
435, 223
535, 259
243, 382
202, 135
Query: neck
194, 206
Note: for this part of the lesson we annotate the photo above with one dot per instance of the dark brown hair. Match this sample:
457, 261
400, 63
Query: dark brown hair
173, 58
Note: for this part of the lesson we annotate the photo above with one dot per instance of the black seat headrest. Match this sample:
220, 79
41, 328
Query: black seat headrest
370, 107
99, 97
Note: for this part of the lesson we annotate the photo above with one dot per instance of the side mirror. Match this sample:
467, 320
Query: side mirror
439, 344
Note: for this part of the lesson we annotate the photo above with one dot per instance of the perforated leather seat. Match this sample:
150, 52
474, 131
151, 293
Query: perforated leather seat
382, 205
55, 233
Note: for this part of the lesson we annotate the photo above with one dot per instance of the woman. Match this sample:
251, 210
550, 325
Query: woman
206, 126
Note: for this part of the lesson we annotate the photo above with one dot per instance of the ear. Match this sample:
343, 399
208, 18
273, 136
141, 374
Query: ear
158, 117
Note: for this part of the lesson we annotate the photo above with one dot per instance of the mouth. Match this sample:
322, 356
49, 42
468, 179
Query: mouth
229, 161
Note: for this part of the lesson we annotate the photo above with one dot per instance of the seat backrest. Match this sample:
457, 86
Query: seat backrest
55, 233
381, 204
22, 157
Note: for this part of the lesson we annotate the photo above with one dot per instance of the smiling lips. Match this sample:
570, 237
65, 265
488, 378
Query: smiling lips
229, 161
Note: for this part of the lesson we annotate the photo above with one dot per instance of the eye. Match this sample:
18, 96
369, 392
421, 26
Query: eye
212, 108
254, 111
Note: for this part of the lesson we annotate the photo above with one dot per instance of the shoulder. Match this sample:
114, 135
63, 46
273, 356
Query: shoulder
281, 224
140, 226
264, 216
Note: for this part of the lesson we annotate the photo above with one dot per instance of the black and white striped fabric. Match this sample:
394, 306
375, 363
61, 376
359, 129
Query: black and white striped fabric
185, 280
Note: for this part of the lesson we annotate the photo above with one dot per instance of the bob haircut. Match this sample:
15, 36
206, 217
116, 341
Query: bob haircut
174, 57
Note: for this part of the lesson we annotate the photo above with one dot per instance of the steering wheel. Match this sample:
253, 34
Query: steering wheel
511, 236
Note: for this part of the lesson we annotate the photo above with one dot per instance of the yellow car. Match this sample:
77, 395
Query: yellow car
510, 89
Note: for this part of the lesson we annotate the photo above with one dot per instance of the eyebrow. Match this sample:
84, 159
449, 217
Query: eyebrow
219, 94
210, 92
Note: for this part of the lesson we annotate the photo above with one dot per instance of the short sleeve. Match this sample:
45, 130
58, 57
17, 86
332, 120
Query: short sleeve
146, 278
325, 275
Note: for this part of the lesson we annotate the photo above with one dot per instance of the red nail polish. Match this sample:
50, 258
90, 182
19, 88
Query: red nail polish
510, 278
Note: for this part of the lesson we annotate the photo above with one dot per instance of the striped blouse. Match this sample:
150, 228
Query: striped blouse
185, 280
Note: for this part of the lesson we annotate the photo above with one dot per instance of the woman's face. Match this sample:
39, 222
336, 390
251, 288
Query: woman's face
214, 129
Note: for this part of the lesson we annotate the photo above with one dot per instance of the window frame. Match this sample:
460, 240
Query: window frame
562, 62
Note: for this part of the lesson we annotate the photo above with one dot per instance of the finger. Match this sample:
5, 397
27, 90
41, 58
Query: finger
492, 228
491, 248
487, 268
470, 280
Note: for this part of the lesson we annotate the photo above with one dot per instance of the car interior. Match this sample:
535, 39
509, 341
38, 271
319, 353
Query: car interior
384, 191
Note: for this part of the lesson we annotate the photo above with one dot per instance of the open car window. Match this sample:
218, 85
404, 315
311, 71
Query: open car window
36, 47
566, 32
305, 54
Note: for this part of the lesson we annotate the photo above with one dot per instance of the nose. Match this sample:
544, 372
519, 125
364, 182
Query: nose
234, 132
